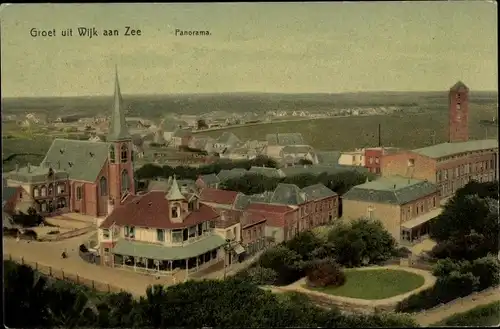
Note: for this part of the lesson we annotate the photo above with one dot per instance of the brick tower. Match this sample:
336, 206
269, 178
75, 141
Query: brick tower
121, 169
458, 102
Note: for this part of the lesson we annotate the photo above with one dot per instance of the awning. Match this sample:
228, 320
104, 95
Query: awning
422, 219
238, 248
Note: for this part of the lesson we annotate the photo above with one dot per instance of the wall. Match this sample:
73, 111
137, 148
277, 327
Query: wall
397, 164
371, 156
388, 214
409, 210
102, 198
90, 199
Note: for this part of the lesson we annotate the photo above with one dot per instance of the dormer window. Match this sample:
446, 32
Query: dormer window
112, 155
411, 162
175, 211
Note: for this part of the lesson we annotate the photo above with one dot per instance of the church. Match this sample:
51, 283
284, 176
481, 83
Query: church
86, 177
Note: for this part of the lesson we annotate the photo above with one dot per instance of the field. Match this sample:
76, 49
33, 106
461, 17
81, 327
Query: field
375, 284
481, 316
347, 133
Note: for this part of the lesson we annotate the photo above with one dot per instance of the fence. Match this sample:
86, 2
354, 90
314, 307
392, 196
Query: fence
62, 275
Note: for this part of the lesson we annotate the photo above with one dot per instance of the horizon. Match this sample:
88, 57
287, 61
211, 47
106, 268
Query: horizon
253, 48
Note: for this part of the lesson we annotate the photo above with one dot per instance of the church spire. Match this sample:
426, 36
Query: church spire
118, 127
174, 192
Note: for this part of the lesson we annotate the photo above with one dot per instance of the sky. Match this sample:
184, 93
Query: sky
252, 47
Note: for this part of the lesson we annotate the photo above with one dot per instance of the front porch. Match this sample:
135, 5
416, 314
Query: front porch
164, 260
417, 229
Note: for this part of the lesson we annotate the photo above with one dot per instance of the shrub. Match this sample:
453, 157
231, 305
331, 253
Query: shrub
259, 275
29, 234
487, 269
325, 272
402, 252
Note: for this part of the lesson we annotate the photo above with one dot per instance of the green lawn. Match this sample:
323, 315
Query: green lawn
482, 316
375, 284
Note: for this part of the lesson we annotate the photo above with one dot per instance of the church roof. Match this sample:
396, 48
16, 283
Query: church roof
459, 85
82, 160
118, 126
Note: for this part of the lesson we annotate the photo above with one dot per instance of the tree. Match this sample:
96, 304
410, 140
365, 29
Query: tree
250, 184
324, 273
287, 263
304, 244
258, 275
361, 242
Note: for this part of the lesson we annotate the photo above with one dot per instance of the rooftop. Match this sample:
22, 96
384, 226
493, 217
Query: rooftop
447, 149
36, 174
393, 190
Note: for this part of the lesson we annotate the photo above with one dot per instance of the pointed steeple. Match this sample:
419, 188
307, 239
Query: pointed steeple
118, 126
174, 193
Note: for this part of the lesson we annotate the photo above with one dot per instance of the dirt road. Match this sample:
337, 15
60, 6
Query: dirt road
463, 305
49, 254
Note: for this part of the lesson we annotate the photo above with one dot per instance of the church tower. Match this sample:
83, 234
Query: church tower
458, 102
120, 156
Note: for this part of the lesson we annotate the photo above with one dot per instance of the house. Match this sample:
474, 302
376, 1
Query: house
276, 142
243, 201
239, 153
161, 232
403, 205
218, 198
253, 232
15, 200
168, 127
328, 158
181, 137
202, 143
227, 140
281, 220
266, 171
373, 156
228, 227
323, 206
449, 165
292, 154
211, 181
352, 158
83, 176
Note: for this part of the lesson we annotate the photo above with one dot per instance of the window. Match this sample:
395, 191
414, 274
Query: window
44, 191
125, 181
434, 202
445, 174
106, 249
458, 106
105, 233
112, 155
176, 236
417, 208
370, 160
192, 232
191, 206
36, 192
51, 189
175, 211
377, 160
78, 192
422, 207
185, 234
234, 232
132, 232
457, 173
103, 186
411, 162
60, 188
124, 153
377, 170
160, 235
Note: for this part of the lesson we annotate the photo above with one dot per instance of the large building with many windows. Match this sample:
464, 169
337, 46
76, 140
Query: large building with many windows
82, 176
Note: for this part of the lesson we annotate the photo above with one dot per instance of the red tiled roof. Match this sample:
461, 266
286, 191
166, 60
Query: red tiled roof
214, 195
270, 208
252, 218
153, 210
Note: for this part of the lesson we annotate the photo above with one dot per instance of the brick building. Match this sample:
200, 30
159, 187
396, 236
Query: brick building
373, 156
449, 165
404, 206
84, 176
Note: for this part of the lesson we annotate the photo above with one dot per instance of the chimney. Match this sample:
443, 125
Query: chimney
379, 135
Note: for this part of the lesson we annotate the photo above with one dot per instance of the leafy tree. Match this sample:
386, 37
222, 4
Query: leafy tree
250, 184
487, 269
324, 272
25, 297
287, 263
361, 242
259, 275
304, 244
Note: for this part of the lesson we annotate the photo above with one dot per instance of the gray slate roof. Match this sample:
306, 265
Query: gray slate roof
318, 191
36, 174
210, 179
118, 130
296, 149
228, 138
392, 190
82, 160
288, 194
447, 149
242, 201
285, 139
